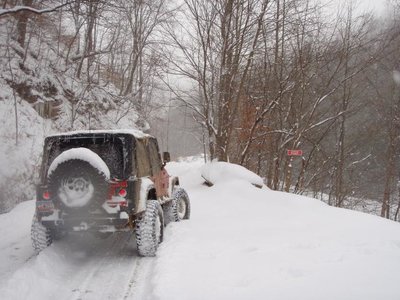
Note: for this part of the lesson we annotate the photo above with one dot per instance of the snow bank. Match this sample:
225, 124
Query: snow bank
19, 162
216, 172
83, 154
249, 243
187, 171
15, 242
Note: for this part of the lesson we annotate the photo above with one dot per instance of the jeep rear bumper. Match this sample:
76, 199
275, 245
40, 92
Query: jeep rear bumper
96, 224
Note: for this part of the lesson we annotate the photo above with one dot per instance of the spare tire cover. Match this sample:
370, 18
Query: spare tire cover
76, 183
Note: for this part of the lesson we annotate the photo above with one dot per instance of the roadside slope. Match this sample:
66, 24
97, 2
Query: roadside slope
249, 243
15, 241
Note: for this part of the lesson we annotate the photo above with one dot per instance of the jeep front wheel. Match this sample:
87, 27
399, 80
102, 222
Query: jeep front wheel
149, 229
179, 207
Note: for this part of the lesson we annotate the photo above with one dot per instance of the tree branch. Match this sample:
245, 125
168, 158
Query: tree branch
18, 9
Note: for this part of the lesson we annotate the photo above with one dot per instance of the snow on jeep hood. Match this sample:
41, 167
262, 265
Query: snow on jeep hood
83, 154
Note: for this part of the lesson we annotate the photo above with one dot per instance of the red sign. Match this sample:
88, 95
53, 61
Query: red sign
295, 152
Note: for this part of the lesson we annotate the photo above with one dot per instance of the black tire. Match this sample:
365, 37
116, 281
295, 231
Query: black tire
41, 236
178, 208
149, 229
77, 184
170, 210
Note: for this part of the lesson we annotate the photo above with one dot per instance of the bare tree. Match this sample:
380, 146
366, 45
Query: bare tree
217, 53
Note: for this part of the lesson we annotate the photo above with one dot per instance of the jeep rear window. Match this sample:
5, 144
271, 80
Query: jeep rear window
109, 149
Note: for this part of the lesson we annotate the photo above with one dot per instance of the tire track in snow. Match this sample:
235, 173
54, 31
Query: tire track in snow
108, 264
137, 288
121, 286
132, 279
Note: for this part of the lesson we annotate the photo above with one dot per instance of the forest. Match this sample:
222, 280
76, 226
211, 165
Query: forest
242, 81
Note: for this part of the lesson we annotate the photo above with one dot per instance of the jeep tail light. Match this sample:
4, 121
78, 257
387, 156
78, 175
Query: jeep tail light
46, 195
118, 188
122, 193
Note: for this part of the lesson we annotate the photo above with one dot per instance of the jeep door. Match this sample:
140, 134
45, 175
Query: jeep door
160, 175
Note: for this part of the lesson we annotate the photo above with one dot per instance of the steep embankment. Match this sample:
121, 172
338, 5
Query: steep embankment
40, 94
249, 243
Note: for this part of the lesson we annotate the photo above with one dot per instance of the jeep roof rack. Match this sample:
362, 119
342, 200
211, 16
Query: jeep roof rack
136, 133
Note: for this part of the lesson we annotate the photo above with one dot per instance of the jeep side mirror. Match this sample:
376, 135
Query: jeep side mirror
166, 157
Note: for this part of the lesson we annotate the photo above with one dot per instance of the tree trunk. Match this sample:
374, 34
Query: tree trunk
390, 167
22, 22
288, 174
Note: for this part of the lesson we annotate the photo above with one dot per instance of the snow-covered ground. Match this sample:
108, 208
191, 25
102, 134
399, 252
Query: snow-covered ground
240, 243
77, 267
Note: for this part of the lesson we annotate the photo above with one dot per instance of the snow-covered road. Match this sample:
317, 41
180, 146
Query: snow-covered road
240, 243
77, 267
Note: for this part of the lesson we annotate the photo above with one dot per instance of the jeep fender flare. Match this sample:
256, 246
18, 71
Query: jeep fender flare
173, 182
147, 192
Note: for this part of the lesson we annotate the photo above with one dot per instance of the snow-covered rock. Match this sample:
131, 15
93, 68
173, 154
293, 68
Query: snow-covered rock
216, 172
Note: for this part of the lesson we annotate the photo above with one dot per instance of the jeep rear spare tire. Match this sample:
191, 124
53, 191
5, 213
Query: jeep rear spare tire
75, 181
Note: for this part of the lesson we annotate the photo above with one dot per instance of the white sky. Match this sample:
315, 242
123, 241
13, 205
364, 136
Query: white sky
378, 6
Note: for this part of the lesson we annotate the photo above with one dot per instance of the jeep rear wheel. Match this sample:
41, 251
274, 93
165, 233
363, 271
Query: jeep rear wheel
75, 183
149, 229
41, 236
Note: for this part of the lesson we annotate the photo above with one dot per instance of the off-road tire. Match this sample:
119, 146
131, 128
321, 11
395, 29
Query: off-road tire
76, 168
170, 212
41, 236
149, 229
178, 208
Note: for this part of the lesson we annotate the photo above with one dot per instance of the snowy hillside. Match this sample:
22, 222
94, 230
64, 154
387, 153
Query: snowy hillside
46, 101
240, 243
40, 94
